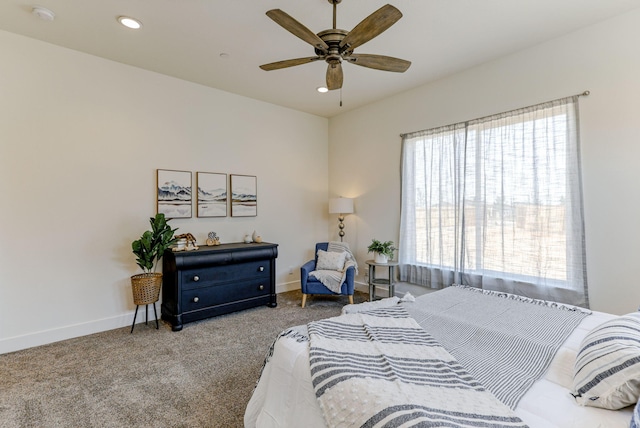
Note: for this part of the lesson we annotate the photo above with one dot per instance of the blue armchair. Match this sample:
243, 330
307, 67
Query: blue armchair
311, 285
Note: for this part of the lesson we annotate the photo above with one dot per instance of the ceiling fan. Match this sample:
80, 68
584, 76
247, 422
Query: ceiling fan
335, 46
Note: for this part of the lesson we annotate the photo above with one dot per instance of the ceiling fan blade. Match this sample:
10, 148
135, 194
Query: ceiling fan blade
297, 29
379, 62
334, 76
288, 63
371, 26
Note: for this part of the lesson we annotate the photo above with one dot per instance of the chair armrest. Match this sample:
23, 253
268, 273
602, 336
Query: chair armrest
350, 279
351, 274
305, 269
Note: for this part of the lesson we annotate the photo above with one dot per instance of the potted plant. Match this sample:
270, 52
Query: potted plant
383, 251
148, 250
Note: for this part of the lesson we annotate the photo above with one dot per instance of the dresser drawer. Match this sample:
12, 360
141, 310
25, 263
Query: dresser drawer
205, 277
202, 297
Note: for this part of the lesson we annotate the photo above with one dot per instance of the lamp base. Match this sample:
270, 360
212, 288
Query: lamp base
341, 226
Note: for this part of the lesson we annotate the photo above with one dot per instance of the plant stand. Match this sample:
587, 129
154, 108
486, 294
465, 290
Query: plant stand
389, 282
146, 291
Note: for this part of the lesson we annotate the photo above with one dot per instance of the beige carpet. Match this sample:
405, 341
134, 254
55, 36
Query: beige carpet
202, 376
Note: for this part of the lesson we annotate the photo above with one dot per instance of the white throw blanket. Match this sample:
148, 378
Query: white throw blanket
381, 369
333, 279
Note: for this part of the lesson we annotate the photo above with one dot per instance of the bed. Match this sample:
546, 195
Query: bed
286, 394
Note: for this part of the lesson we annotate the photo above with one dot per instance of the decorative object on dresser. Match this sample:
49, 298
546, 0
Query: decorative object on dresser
148, 249
383, 251
217, 280
174, 193
213, 239
341, 206
189, 242
212, 194
244, 195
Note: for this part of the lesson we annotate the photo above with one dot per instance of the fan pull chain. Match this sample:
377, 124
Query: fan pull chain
340, 97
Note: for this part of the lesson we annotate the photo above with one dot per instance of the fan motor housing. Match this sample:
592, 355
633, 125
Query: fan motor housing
332, 38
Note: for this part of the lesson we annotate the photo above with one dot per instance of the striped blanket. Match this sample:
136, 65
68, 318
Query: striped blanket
506, 341
379, 368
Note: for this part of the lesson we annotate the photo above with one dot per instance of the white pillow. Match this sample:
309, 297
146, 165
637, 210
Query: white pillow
607, 368
330, 260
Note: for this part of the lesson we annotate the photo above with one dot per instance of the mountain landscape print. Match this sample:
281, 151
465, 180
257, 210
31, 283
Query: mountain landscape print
212, 194
244, 195
174, 193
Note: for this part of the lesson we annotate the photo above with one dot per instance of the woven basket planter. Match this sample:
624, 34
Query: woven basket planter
146, 288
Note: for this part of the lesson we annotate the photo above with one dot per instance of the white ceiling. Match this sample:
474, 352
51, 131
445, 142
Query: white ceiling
184, 39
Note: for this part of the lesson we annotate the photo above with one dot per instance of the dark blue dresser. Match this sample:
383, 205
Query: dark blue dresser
217, 280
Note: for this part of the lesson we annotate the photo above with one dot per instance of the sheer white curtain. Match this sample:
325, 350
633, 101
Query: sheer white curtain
496, 203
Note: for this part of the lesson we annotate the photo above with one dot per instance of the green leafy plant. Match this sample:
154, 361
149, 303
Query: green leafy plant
150, 247
385, 248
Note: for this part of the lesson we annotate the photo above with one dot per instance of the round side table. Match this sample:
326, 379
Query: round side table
387, 282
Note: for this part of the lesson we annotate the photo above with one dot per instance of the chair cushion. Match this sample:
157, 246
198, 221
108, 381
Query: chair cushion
329, 260
607, 367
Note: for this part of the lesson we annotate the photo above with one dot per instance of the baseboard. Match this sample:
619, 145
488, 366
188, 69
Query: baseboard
44, 337
17, 343
361, 286
295, 285
287, 286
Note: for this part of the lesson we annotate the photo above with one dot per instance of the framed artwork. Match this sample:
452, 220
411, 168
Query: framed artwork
212, 194
244, 195
174, 193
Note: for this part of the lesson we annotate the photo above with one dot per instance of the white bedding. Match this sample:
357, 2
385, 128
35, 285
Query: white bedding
285, 397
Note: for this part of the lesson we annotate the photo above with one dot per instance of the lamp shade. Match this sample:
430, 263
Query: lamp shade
341, 206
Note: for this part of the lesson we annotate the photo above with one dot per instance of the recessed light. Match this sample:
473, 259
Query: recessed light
322, 89
43, 13
129, 22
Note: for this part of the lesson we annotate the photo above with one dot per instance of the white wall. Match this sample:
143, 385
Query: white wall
80, 141
81, 138
364, 147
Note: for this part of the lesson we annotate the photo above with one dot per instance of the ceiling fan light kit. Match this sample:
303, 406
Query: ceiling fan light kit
335, 46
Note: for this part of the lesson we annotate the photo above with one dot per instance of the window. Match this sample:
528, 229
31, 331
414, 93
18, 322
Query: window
496, 203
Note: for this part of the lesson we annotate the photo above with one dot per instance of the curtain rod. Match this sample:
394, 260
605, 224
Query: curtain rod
582, 94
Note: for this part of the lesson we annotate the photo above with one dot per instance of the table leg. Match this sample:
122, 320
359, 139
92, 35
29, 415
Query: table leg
372, 289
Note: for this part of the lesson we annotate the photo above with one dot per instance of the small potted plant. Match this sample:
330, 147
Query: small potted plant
383, 251
148, 250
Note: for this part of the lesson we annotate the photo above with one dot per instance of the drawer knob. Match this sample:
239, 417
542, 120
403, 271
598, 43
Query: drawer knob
196, 299
261, 287
261, 268
196, 278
